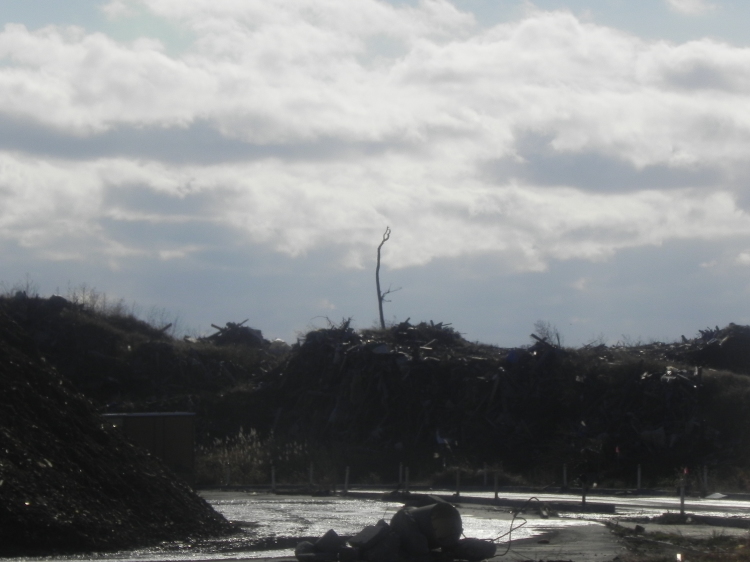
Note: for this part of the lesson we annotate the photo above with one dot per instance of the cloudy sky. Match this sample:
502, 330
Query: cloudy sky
580, 162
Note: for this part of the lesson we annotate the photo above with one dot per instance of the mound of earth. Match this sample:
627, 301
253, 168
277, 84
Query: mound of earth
69, 483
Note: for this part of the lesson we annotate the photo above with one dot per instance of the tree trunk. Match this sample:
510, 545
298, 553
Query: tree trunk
381, 296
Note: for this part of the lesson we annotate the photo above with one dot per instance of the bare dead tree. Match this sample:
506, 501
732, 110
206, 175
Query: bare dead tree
382, 295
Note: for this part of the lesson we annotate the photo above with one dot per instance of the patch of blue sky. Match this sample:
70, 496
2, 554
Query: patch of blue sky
724, 21
651, 19
89, 15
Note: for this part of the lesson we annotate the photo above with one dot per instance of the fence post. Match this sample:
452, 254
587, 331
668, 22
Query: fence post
346, 481
682, 493
458, 482
638, 487
273, 479
565, 476
406, 483
485, 475
400, 474
705, 479
496, 484
311, 475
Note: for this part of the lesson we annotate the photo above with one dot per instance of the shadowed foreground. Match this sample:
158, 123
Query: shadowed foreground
67, 483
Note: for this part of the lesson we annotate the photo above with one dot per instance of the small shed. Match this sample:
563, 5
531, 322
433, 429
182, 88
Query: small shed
167, 435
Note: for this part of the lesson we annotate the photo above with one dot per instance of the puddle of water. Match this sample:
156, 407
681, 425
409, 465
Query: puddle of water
287, 520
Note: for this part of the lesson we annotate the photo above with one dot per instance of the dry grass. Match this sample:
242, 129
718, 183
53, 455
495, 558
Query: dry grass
246, 459
663, 547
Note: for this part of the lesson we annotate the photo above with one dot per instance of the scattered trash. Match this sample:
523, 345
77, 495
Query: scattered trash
236, 334
414, 533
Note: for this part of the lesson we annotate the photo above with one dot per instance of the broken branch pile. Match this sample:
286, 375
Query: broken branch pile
423, 391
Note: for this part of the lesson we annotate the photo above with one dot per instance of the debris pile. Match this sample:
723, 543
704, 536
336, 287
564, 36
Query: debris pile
416, 532
717, 348
237, 334
727, 348
125, 364
419, 393
67, 482
423, 390
393, 389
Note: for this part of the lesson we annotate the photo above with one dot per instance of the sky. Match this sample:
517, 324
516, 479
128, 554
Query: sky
583, 163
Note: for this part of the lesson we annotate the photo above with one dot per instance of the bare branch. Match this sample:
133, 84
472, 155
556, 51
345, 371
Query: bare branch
388, 292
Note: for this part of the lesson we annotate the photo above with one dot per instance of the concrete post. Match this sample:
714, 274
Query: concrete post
682, 494
705, 479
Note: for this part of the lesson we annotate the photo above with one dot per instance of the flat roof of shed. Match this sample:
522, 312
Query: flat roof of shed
147, 414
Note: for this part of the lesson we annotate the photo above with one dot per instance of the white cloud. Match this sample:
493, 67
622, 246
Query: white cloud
581, 284
407, 133
326, 304
47, 204
117, 9
690, 7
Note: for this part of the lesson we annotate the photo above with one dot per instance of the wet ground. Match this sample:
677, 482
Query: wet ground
272, 526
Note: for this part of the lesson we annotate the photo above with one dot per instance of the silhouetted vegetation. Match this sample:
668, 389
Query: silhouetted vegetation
419, 394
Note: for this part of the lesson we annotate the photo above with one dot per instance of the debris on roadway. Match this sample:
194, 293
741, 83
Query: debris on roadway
415, 533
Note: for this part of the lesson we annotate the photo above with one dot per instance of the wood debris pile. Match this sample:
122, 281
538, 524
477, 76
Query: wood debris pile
424, 390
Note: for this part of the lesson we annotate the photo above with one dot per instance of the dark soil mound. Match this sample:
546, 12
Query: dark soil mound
116, 359
67, 482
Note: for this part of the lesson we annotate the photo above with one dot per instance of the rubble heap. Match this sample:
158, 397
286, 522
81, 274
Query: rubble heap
727, 348
424, 391
67, 482
417, 393
234, 333
429, 530
125, 364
